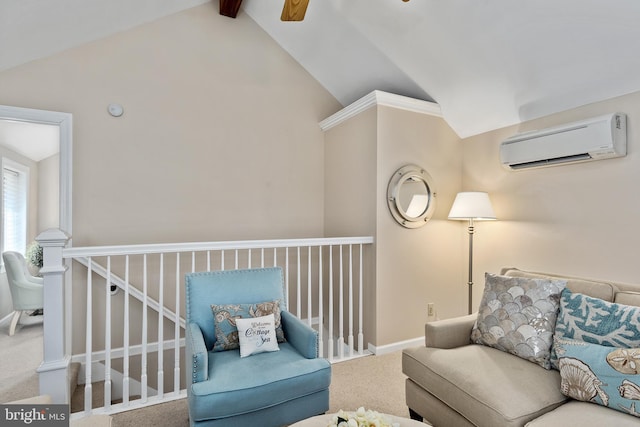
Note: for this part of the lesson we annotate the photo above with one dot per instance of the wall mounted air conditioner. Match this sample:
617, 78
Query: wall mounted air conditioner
597, 138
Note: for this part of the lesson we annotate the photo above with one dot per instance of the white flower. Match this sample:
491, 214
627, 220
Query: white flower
360, 418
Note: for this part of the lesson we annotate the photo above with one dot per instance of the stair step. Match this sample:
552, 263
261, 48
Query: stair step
74, 371
97, 397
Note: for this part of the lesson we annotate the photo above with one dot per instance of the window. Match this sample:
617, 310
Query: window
15, 180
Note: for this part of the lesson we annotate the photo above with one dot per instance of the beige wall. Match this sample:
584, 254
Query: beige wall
412, 266
219, 139
416, 266
578, 219
48, 193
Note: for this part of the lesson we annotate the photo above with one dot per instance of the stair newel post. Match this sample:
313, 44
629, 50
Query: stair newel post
54, 369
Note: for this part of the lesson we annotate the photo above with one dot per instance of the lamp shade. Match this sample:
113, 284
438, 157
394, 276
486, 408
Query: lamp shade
474, 205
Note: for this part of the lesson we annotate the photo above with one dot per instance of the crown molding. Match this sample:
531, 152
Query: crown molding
378, 97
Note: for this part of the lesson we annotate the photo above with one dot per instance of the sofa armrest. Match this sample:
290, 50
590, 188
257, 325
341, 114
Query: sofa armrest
301, 336
449, 333
197, 355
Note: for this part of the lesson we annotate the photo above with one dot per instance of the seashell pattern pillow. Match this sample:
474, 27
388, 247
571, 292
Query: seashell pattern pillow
607, 376
225, 316
518, 315
596, 321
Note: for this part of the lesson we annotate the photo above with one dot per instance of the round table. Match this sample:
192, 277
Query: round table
325, 419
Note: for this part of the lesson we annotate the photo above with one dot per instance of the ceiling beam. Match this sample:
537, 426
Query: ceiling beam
230, 7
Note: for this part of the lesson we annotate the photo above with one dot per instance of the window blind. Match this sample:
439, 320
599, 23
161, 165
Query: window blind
14, 209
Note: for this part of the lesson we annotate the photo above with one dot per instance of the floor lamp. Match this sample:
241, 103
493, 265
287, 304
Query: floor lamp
471, 206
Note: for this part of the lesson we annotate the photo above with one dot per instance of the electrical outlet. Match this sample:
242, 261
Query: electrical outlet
431, 311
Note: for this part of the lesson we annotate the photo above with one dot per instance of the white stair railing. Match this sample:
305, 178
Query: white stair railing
124, 329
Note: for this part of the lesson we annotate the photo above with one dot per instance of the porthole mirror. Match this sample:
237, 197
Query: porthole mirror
411, 196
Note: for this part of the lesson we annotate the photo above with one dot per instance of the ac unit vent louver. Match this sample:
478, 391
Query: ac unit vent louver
602, 137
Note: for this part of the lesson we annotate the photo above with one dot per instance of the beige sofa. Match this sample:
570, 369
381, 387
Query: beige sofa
453, 383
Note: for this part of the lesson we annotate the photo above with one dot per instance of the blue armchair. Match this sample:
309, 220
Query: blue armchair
266, 389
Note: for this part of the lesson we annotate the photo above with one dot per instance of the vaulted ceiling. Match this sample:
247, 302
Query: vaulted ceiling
487, 63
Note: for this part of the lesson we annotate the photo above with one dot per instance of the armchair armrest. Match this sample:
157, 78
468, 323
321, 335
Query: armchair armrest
301, 336
449, 333
197, 356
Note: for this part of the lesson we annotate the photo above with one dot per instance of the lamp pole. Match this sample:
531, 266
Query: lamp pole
470, 282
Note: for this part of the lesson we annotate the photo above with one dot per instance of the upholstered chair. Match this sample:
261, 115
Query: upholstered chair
27, 291
273, 388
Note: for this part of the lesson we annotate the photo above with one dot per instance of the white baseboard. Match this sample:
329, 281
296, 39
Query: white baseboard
396, 346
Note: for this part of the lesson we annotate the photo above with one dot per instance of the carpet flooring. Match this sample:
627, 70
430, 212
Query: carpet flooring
375, 382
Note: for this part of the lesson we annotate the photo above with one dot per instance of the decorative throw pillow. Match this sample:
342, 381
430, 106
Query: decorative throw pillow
608, 376
518, 315
225, 317
257, 335
596, 321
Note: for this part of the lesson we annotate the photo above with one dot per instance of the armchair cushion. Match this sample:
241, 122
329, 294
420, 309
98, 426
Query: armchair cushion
270, 379
257, 335
226, 315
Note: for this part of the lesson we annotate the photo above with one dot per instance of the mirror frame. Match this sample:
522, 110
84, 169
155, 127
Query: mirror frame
393, 191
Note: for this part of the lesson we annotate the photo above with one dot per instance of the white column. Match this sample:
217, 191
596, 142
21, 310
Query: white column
54, 369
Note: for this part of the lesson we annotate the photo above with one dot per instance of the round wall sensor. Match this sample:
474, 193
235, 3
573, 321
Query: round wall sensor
115, 110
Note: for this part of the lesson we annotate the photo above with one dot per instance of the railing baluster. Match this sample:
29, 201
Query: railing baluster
161, 329
88, 386
298, 287
351, 344
107, 339
176, 321
341, 311
330, 332
249, 258
360, 307
208, 260
125, 340
320, 305
143, 376
222, 260
286, 277
261, 257
236, 259
309, 291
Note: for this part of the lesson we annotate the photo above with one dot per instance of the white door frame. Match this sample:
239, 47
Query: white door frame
64, 123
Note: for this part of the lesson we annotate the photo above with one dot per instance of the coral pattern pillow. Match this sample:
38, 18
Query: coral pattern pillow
592, 320
518, 315
607, 376
225, 317
257, 335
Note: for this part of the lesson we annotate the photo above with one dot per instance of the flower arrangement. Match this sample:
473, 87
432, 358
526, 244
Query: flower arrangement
34, 255
361, 418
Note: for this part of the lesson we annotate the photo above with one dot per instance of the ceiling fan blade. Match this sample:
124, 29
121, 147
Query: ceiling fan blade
294, 10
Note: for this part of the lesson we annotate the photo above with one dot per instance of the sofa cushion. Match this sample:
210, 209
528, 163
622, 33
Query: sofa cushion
607, 376
485, 385
596, 321
581, 414
593, 288
628, 298
518, 315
